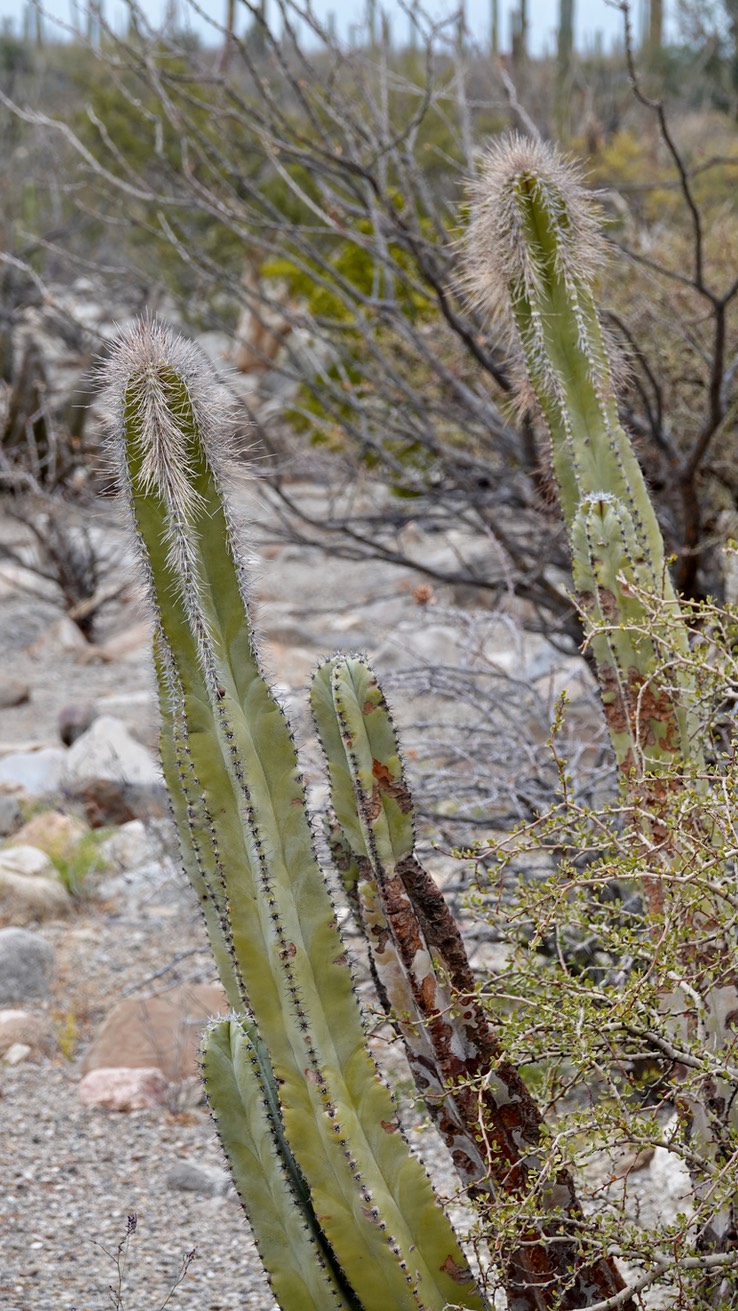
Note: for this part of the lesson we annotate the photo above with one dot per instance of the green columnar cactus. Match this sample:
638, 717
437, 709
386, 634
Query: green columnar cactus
298, 1061
483, 1110
533, 255
534, 250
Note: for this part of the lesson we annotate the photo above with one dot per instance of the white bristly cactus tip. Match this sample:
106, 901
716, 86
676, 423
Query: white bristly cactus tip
502, 261
151, 372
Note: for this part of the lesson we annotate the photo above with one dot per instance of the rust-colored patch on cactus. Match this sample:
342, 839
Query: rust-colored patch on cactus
461, 1274
391, 786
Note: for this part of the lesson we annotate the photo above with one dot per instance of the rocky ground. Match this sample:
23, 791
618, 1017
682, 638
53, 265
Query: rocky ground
73, 1174
74, 1170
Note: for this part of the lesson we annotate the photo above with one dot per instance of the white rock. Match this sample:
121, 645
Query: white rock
135, 844
672, 1184
107, 750
28, 897
25, 860
25, 1028
36, 772
20, 1051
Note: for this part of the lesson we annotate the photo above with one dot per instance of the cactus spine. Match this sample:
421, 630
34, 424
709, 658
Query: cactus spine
299, 1061
533, 255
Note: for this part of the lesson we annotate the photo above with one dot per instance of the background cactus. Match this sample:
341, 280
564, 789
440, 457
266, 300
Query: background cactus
533, 256
534, 251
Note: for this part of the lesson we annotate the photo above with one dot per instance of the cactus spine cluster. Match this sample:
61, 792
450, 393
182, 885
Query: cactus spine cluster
343, 1213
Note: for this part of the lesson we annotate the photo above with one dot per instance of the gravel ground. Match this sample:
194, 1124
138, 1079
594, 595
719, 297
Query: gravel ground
71, 1179
72, 1176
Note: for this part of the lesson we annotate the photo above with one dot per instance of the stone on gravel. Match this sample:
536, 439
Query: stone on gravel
123, 1089
27, 1027
74, 720
52, 831
135, 844
13, 693
26, 962
163, 1031
25, 898
36, 772
11, 815
25, 859
107, 750
189, 1178
20, 1051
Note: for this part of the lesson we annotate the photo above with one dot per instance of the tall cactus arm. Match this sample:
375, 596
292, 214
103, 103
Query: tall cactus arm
302, 1271
374, 1201
533, 254
201, 859
482, 1108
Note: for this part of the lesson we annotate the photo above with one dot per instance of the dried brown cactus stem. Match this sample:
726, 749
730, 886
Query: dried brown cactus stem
479, 1103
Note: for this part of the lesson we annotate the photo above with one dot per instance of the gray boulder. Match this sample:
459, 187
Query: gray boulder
26, 962
11, 815
107, 750
36, 772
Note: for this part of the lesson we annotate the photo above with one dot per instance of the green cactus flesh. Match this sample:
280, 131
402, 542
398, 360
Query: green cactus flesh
536, 226
302, 1271
567, 362
373, 1199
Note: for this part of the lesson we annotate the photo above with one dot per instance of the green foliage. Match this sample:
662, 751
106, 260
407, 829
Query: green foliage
593, 981
80, 863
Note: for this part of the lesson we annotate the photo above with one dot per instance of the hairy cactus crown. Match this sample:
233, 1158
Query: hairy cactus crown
532, 220
163, 386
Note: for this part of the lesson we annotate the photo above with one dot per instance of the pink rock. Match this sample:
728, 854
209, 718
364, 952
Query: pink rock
123, 1089
161, 1031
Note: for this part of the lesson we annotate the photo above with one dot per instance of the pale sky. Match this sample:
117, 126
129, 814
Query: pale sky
592, 16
